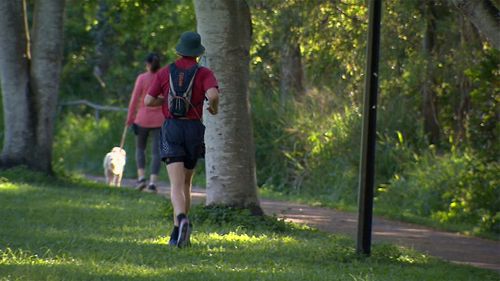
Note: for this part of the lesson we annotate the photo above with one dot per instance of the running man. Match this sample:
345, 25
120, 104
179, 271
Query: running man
181, 89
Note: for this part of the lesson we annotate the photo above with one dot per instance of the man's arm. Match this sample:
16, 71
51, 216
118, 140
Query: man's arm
154, 96
213, 100
149, 100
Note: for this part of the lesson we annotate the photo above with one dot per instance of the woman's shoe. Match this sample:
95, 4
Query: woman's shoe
141, 184
152, 188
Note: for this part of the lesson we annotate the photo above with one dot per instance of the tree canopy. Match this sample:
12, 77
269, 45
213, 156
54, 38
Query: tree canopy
438, 146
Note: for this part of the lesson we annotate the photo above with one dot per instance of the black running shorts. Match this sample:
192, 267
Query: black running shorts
182, 140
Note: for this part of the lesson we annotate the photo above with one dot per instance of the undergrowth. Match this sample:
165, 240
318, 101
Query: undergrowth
308, 151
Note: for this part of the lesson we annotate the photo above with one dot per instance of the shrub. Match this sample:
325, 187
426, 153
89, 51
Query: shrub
311, 146
81, 142
307, 146
454, 188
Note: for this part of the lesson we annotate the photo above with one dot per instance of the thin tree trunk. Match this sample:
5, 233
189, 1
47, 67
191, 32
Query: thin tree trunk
225, 28
484, 15
429, 107
463, 108
45, 73
103, 50
14, 71
469, 40
291, 83
291, 71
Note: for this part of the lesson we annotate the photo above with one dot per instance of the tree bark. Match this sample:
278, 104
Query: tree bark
30, 81
429, 107
484, 15
15, 82
225, 28
291, 71
291, 83
103, 49
469, 40
45, 72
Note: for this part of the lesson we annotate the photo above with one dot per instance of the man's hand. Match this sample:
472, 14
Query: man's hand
212, 110
213, 100
152, 101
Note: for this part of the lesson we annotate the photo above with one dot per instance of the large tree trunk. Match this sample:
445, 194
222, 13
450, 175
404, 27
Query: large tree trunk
30, 81
15, 81
484, 15
225, 28
429, 107
45, 73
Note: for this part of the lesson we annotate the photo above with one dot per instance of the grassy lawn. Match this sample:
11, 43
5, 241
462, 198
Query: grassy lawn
73, 230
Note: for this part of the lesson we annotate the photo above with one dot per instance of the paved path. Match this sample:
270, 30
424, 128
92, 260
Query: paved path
453, 247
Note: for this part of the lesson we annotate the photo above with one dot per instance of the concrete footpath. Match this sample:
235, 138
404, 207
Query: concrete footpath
453, 247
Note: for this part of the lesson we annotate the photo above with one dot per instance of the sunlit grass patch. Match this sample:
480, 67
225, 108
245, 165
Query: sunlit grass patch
7, 186
400, 255
240, 240
26, 257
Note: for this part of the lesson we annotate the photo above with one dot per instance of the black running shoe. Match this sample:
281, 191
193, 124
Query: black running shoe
172, 243
173, 237
141, 184
184, 233
152, 188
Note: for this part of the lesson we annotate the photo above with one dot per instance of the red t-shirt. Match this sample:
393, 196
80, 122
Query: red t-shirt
203, 81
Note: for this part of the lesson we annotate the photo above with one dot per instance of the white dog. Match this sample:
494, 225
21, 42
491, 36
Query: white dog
114, 163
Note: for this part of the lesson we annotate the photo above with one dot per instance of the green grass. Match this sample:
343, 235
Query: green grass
69, 229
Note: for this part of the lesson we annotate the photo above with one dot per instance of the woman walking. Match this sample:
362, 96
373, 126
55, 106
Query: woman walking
145, 122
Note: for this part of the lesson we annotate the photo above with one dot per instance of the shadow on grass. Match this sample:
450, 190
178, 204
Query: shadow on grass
195, 273
82, 233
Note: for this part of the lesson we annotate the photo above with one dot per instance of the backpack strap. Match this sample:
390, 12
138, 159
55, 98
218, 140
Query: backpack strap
178, 87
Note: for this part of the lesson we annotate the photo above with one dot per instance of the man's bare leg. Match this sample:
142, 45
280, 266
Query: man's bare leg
176, 174
188, 182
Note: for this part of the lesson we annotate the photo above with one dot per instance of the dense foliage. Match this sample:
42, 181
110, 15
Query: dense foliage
308, 144
312, 145
108, 41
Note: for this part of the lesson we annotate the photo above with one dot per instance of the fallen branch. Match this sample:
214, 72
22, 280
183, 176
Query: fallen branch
96, 107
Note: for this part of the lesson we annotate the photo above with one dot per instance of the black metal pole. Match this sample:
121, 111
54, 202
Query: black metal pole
367, 166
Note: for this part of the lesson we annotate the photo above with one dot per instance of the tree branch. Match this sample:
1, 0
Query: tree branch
484, 15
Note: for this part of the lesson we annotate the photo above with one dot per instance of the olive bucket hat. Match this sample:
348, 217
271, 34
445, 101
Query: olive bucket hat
190, 45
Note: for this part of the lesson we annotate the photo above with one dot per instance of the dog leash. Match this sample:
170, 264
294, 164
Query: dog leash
124, 134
